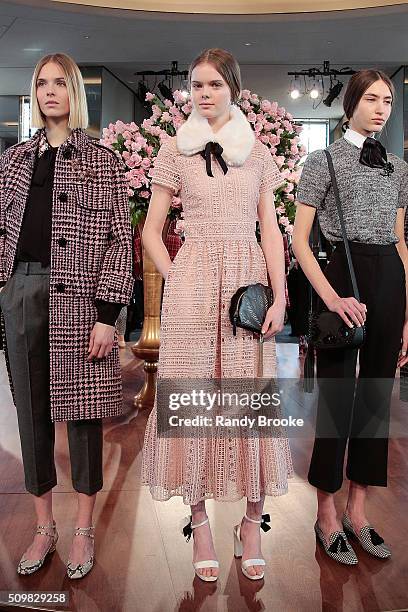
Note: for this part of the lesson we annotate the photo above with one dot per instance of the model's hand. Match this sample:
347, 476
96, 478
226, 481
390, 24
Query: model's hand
101, 341
403, 357
274, 320
350, 310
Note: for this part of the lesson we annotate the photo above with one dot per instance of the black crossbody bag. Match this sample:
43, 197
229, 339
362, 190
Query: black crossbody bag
327, 330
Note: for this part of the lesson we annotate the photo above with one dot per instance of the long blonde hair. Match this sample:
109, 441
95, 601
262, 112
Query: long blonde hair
78, 108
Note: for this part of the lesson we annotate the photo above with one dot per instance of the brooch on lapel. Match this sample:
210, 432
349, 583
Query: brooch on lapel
388, 169
85, 175
43, 144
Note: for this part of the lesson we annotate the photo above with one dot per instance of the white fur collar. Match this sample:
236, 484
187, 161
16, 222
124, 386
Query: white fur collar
236, 137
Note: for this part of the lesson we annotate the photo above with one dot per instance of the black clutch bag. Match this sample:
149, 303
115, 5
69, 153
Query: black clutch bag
327, 330
248, 309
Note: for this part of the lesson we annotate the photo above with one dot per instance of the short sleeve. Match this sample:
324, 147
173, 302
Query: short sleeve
271, 178
165, 171
314, 180
403, 191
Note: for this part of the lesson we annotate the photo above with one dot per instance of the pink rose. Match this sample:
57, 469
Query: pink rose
144, 194
266, 106
290, 197
146, 163
246, 105
264, 138
251, 117
149, 96
245, 94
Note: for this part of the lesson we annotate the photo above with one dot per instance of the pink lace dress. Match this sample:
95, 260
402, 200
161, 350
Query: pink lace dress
220, 254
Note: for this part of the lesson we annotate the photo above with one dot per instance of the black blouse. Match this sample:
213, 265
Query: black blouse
34, 242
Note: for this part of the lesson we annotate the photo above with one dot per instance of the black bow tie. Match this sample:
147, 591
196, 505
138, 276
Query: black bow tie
216, 149
374, 155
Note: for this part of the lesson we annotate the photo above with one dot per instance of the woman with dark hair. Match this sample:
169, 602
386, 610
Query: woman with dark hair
373, 190
65, 272
226, 179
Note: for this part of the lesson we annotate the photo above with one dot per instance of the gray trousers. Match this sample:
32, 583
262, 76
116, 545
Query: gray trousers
24, 301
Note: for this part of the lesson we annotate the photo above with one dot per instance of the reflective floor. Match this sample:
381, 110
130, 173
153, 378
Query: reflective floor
144, 564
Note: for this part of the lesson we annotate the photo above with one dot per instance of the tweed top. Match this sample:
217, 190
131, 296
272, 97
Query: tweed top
369, 199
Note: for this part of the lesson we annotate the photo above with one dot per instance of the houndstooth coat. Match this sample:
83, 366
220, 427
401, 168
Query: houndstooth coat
91, 258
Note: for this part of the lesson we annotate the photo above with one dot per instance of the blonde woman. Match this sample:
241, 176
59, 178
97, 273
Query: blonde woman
65, 270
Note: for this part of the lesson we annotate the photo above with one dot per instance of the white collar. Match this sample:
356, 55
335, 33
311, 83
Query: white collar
354, 137
236, 137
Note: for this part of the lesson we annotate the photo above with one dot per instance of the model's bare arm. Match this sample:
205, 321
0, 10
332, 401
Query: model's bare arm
348, 308
152, 231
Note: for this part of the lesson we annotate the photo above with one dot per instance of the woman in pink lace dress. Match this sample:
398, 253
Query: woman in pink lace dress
224, 192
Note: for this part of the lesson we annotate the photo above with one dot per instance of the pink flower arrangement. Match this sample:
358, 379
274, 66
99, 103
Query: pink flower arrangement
137, 146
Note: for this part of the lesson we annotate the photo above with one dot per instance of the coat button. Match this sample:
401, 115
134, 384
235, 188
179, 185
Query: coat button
60, 287
67, 154
2, 231
63, 197
62, 242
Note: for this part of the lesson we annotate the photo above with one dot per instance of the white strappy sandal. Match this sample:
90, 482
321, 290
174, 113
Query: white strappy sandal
238, 548
187, 529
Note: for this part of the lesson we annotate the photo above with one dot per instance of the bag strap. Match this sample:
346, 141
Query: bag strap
343, 228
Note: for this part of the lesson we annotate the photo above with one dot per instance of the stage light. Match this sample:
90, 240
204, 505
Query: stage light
334, 93
165, 91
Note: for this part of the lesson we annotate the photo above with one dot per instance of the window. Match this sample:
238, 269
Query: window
315, 135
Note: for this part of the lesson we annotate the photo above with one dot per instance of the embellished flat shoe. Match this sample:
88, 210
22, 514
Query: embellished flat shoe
238, 548
187, 529
368, 538
29, 566
338, 547
81, 569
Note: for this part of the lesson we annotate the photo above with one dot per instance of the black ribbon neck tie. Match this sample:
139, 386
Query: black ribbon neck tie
374, 155
216, 149
339, 545
375, 538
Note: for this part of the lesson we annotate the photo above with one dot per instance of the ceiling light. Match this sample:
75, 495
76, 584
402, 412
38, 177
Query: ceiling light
32, 49
294, 94
248, 44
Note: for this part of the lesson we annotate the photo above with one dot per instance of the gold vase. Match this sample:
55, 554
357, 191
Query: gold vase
147, 347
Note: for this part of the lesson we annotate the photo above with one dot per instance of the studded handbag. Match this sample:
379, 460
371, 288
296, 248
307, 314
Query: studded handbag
248, 309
